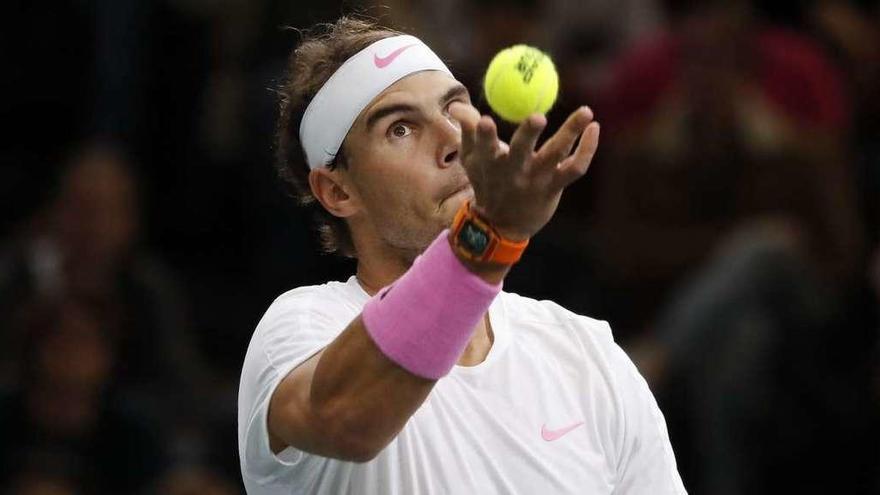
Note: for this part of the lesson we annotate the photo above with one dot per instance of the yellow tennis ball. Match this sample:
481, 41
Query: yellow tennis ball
521, 80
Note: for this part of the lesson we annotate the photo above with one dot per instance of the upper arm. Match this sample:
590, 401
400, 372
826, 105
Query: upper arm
347, 402
289, 413
314, 381
285, 346
304, 411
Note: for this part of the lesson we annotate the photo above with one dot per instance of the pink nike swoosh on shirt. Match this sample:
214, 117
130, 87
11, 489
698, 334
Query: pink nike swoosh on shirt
551, 435
382, 62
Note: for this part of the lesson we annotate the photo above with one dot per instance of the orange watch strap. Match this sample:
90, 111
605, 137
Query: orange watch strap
508, 252
500, 250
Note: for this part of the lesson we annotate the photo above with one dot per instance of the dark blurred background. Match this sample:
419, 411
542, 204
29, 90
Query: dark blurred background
728, 228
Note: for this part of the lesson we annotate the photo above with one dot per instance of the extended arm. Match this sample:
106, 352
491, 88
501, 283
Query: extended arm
351, 399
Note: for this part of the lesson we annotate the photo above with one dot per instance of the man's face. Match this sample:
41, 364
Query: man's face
404, 161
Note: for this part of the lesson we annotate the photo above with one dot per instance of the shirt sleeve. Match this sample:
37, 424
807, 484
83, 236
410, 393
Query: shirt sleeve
646, 462
296, 327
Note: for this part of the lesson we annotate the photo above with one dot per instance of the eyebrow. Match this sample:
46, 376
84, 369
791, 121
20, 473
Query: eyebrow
377, 115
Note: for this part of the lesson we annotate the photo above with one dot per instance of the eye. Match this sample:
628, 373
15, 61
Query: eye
400, 130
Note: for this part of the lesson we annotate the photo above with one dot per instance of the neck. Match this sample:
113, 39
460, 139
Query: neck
373, 274
380, 264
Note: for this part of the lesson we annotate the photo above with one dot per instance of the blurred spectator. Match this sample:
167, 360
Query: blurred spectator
716, 124
726, 230
85, 245
64, 416
763, 363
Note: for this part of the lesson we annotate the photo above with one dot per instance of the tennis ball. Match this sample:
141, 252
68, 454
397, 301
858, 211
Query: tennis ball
521, 80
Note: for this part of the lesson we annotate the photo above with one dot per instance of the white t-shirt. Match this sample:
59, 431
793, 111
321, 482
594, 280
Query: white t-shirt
556, 407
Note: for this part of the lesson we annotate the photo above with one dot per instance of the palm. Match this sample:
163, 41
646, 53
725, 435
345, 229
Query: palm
517, 187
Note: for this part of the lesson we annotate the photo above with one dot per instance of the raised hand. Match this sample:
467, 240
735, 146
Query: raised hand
515, 186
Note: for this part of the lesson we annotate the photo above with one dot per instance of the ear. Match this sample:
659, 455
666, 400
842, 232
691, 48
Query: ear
331, 189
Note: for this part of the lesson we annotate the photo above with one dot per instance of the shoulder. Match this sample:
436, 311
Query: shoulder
300, 322
314, 296
314, 304
303, 320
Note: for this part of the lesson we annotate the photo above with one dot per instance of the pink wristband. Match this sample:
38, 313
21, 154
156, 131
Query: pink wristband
424, 320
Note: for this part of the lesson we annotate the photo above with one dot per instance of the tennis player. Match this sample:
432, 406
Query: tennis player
419, 375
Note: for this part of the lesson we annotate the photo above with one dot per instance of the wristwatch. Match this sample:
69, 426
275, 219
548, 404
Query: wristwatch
475, 239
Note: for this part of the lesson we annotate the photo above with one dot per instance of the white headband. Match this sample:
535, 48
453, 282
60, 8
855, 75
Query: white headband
353, 86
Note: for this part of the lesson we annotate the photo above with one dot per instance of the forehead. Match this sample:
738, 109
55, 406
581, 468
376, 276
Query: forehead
424, 87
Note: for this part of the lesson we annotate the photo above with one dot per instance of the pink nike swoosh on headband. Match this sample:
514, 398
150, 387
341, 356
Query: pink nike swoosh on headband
382, 62
551, 435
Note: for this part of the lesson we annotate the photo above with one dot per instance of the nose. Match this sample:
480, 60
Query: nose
448, 141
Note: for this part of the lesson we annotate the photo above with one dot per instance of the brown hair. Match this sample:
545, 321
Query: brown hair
320, 53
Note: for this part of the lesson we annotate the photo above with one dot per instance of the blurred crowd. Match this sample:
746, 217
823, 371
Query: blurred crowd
728, 228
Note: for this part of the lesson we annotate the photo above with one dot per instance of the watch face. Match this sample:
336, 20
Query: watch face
473, 238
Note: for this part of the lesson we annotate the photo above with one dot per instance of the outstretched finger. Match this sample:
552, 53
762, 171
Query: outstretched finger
487, 144
576, 165
524, 139
559, 146
468, 117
